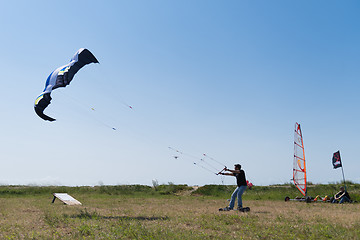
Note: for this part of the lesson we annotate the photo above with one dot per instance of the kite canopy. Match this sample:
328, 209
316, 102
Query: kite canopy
61, 77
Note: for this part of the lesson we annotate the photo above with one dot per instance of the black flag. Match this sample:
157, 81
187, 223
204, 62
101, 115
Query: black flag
336, 160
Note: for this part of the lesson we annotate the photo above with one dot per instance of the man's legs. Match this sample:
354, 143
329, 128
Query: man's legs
233, 197
239, 195
344, 199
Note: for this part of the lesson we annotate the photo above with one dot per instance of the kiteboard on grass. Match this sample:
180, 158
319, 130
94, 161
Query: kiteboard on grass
245, 209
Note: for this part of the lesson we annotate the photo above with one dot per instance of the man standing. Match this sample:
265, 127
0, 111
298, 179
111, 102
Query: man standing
241, 187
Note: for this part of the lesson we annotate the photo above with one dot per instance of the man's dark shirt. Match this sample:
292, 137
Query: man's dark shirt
345, 195
240, 178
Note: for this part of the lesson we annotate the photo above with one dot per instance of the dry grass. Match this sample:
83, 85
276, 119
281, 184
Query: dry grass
173, 217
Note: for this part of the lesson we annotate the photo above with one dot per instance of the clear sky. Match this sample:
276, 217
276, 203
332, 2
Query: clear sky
225, 78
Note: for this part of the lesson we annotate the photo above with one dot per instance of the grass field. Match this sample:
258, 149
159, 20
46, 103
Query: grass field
172, 212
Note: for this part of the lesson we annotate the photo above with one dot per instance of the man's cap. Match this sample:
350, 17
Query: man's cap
238, 166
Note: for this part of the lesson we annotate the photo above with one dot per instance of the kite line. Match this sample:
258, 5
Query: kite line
88, 107
202, 162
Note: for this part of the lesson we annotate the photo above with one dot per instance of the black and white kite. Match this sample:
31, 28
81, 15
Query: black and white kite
62, 77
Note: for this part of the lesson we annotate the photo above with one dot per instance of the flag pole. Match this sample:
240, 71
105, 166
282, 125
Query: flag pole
336, 160
342, 169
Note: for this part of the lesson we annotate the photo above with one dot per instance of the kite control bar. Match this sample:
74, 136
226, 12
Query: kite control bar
225, 168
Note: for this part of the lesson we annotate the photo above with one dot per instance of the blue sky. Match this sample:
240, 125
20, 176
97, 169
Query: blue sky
225, 78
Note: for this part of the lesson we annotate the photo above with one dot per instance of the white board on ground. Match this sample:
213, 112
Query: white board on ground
66, 198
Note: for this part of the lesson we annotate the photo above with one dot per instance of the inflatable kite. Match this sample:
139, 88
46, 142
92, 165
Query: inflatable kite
62, 77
